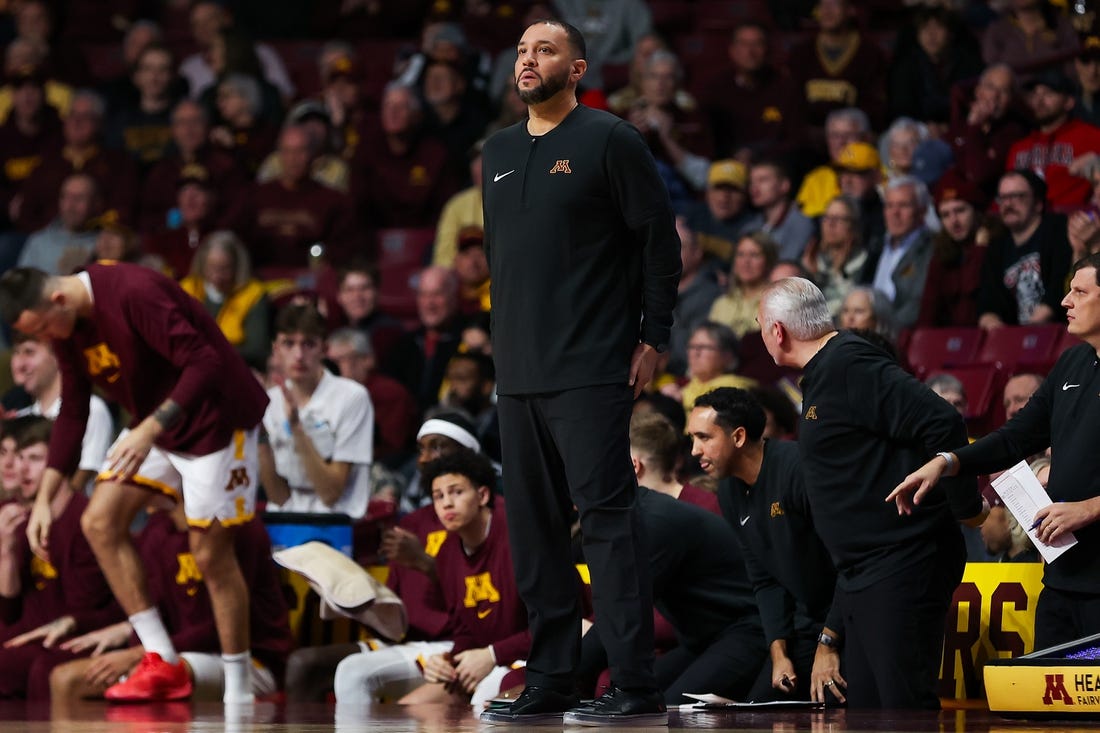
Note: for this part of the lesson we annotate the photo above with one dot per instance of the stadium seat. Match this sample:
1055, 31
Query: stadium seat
933, 348
1006, 347
723, 15
300, 60
402, 253
982, 383
702, 54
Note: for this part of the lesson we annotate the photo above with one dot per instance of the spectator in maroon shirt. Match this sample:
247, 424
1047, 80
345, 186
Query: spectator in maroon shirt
755, 108
282, 219
240, 130
671, 123
950, 295
983, 131
342, 95
938, 52
402, 175
440, 329
82, 152
32, 128
395, 410
195, 205
839, 66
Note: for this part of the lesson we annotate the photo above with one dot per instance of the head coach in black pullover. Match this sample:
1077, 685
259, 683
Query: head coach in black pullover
585, 263
865, 424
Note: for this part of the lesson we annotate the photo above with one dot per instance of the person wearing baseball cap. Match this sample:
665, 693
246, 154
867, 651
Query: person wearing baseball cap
1059, 139
1087, 65
859, 173
719, 220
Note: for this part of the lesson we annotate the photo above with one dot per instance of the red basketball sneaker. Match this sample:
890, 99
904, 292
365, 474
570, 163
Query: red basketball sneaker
153, 679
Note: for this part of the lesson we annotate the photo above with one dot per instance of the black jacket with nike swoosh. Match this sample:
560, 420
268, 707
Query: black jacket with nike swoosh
788, 565
583, 252
1064, 413
866, 424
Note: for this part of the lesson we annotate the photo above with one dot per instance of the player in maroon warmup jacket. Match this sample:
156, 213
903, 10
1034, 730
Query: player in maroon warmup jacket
153, 349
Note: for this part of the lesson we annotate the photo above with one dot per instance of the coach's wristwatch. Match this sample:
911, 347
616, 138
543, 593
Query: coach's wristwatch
952, 461
826, 640
659, 348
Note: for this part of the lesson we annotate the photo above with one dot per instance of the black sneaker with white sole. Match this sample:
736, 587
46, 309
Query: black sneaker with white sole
638, 708
534, 706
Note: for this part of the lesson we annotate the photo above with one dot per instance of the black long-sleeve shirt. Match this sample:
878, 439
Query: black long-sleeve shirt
1064, 413
582, 249
699, 582
866, 424
788, 565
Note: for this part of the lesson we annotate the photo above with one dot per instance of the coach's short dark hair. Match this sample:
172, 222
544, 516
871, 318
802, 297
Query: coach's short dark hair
21, 289
735, 408
463, 462
1092, 260
576, 38
301, 318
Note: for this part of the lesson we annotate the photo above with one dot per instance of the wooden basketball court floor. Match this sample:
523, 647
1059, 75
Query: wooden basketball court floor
98, 717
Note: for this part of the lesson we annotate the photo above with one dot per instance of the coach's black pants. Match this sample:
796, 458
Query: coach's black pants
1062, 616
894, 630
560, 450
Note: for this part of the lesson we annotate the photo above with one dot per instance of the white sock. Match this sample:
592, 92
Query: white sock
152, 634
238, 677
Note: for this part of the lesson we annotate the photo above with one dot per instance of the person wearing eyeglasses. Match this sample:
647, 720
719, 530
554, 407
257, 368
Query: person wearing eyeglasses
1024, 272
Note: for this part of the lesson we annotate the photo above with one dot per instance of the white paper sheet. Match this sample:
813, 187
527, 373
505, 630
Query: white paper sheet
1024, 496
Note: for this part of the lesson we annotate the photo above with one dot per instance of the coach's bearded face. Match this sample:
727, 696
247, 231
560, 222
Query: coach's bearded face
547, 87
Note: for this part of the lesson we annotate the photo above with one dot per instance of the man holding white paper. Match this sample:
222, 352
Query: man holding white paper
1063, 414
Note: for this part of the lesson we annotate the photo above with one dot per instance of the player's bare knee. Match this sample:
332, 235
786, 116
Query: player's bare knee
64, 679
100, 526
214, 554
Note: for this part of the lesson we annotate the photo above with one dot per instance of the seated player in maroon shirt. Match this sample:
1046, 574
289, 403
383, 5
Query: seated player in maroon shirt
176, 584
410, 548
474, 571
655, 450
152, 348
44, 599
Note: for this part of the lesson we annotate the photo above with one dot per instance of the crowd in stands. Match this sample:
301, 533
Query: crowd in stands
314, 178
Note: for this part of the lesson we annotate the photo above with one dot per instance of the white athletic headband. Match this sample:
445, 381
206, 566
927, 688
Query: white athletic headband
460, 435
